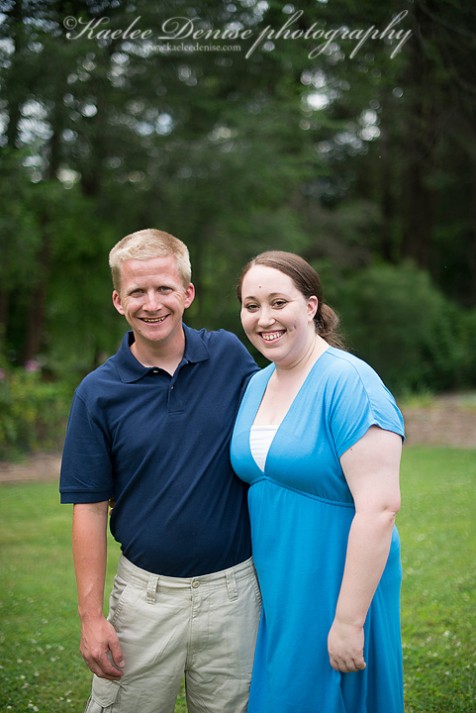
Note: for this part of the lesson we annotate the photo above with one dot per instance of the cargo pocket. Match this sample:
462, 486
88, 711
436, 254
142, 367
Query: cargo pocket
103, 696
93, 707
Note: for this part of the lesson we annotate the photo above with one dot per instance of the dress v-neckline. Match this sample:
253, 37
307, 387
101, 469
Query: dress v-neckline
288, 412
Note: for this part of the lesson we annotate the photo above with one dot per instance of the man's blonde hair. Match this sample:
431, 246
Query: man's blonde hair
146, 245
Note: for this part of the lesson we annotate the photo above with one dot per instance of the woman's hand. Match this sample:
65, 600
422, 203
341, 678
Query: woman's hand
345, 645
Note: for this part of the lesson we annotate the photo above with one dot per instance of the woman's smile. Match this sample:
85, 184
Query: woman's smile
272, 336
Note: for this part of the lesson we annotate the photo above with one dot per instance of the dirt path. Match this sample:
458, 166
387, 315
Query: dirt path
39, 467
449, 421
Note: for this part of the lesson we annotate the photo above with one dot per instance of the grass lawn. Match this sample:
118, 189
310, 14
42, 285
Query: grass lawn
42, 670
437, 529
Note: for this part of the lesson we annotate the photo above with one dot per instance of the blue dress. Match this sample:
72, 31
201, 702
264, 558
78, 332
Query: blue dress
301, 510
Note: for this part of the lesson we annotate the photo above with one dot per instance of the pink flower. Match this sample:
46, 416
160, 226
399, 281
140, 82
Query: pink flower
32, 366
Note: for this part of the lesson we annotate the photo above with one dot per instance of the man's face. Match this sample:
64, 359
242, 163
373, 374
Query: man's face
153, 298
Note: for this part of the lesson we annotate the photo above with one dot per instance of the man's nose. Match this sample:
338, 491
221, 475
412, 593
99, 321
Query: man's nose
152, 301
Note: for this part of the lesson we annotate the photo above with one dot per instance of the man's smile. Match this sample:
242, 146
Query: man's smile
152, 320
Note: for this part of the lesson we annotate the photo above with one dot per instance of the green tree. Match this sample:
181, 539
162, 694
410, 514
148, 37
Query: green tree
397, 320
349, 155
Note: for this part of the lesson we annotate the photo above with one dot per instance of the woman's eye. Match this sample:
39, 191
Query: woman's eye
278, 304
251, 307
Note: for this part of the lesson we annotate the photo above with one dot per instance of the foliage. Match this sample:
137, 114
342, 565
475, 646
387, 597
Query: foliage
33, 412
39, 630
467, 338
350, 159
395, 318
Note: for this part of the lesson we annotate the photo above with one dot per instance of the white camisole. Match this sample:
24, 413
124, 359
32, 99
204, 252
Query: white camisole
261, 438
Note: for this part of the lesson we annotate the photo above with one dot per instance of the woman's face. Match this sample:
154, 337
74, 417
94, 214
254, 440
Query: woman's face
277, 318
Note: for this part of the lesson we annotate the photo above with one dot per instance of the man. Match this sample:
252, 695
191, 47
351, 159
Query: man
150, 429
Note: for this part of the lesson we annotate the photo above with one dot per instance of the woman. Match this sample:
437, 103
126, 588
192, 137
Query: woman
318, 437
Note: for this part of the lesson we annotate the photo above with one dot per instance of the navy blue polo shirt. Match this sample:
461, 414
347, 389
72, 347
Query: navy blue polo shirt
159, 445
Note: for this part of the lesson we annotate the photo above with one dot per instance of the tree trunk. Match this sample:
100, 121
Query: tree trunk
387, 166
13, 91
418, 215
472, 237
37, 302
4, 299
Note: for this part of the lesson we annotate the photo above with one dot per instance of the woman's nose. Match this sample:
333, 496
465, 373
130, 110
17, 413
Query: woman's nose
266, 316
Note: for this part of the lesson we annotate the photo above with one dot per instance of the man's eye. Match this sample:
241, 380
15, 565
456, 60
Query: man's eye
165, 290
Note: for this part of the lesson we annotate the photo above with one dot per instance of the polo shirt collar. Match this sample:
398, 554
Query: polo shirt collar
131, 370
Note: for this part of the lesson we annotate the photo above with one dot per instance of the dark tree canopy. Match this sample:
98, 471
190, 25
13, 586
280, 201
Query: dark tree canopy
343, 131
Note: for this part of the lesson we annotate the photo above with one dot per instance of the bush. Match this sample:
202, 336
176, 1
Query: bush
33, 413
467, 339
394, 318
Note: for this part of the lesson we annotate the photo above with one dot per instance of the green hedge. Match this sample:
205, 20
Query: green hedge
33, 413
416, 339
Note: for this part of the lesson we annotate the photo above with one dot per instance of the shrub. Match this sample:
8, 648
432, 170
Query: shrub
33, 413
467, 339
394, 318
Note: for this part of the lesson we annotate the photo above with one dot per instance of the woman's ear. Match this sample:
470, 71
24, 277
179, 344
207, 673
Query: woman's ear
312, 305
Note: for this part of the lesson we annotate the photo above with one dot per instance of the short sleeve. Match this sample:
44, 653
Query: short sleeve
86, 470
360, 400
238, 358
